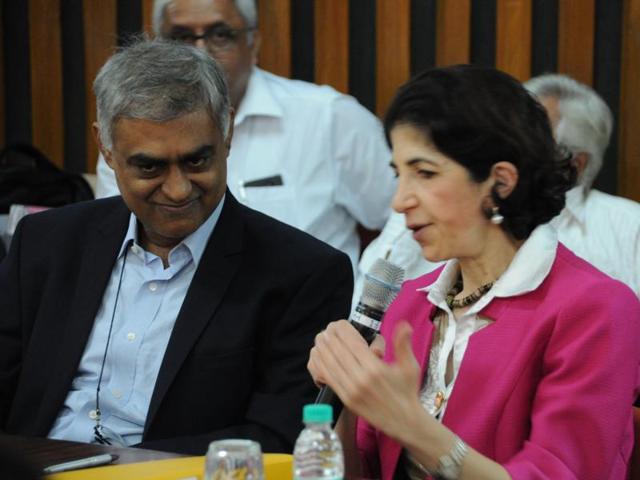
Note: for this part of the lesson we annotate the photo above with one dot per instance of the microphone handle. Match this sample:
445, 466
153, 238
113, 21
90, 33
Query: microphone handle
327, 395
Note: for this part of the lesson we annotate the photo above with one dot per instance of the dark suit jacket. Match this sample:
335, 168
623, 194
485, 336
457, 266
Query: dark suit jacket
235, 365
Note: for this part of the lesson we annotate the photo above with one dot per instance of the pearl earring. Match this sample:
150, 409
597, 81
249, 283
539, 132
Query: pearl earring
496, 218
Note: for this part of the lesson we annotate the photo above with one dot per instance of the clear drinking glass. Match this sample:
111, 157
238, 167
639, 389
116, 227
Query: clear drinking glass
234, 460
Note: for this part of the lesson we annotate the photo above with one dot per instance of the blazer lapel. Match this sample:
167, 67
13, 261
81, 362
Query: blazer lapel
95, 264
485, 373
217, 267
422, 311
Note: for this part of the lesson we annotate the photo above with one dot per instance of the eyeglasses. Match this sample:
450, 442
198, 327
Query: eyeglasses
217, 38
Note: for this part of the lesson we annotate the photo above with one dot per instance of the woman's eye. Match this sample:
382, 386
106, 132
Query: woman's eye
426, 173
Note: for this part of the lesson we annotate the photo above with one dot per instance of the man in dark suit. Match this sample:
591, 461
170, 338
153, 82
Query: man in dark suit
170, 316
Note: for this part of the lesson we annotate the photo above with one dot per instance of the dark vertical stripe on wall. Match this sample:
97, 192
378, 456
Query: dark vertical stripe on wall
423, 35
15, 27
129, 19
302, 40
544, 32
606, 79
72, 30
362, 52
483, 32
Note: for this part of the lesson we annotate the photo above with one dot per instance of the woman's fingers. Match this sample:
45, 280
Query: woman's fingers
378, 346
334, 356
405, 359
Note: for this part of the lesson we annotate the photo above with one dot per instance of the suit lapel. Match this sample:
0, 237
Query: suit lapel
95, 264
217, 267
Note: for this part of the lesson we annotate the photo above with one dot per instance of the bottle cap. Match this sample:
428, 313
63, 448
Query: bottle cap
317, 413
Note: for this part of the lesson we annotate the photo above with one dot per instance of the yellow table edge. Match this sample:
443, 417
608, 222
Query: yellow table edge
277, 466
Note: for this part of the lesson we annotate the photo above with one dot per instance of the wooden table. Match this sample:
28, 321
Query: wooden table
42, 452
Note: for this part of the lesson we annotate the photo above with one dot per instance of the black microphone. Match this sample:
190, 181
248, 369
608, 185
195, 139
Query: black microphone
381, 285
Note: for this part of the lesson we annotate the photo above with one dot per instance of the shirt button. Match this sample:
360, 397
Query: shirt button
131, 336
116, 393
153, 286
93, 414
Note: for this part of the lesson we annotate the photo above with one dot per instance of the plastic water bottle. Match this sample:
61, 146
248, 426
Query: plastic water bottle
318, 451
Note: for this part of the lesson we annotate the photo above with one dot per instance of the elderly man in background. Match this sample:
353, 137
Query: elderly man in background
603, 229
172, 315
304, 154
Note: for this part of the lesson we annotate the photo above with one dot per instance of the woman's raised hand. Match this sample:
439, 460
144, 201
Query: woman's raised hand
385, 394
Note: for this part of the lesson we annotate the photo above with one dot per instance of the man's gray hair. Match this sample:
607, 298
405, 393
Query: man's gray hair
247, 9
159, 80
585, 122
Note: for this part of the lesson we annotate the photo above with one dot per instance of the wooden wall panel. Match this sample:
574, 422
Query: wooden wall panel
275, 28
576, 25
332, 53
46, 78
513, 37
100, 39
331, 28
147, 16
393, 62
629, 162
453, 32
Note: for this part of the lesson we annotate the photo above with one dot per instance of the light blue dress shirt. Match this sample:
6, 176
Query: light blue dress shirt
147, 307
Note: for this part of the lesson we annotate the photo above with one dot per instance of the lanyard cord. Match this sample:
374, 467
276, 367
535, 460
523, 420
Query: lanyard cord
97, 428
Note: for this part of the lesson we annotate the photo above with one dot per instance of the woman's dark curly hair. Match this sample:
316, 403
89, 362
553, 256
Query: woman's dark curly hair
479, 116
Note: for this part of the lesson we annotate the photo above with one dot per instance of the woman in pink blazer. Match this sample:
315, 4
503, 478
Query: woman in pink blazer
516, 359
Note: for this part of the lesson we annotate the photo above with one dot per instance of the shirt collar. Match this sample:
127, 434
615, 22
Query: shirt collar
575, 200
528, 269
195, 243
258, 99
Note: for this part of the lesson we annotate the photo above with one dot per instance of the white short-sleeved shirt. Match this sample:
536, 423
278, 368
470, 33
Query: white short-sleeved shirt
327, 151
604, 230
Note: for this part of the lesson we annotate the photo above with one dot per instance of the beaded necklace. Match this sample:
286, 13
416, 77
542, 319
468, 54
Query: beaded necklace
469, 299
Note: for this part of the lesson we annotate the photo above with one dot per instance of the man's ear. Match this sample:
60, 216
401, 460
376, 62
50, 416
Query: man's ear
505, 176
255, 45
580, 161
106, 153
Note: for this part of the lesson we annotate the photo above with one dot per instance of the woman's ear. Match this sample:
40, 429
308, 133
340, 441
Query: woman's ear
505, 176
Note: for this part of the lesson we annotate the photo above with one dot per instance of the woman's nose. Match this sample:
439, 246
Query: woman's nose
403, 198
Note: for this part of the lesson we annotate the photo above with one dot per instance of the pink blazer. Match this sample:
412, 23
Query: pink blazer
546, 390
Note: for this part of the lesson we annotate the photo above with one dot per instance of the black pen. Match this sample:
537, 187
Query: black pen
87, 462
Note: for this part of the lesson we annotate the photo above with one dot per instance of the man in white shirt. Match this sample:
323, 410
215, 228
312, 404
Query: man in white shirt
304, 154
603, 229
